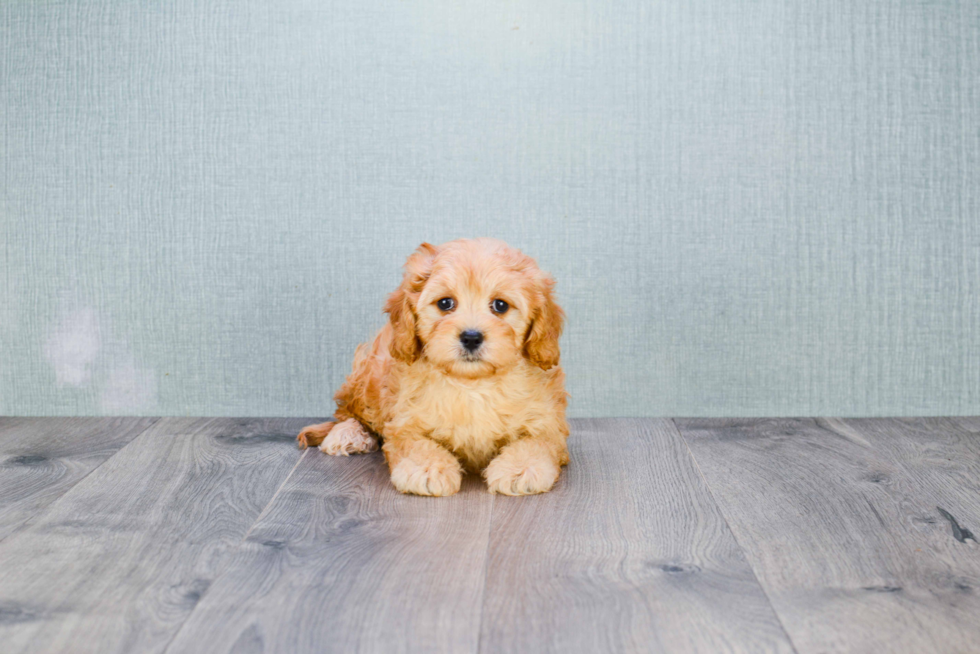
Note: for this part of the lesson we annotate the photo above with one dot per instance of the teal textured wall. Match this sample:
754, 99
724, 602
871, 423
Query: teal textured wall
751, 207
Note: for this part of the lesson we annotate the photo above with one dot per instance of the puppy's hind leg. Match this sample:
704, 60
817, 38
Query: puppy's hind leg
348, 437
313, 435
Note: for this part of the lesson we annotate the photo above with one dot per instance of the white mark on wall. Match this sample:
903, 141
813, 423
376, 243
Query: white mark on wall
72, 346
129, 389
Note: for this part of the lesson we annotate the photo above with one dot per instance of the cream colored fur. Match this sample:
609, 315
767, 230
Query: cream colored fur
349, 437
441, 410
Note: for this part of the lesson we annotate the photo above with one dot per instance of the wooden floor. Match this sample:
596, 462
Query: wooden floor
218, 535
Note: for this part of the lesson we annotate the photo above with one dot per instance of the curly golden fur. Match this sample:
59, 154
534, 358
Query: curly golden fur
442, 406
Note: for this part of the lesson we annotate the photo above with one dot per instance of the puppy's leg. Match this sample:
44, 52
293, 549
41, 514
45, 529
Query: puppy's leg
313, 435
348, 437
526, 466
421, 466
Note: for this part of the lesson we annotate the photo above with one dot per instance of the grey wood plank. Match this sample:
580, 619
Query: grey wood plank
839, 519
968, 423
41, 458
941, 461
628, 553
341, 562
119, 561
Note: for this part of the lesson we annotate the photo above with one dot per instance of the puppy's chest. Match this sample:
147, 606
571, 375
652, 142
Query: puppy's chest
474, 417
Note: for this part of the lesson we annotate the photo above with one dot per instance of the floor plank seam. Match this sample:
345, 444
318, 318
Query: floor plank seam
265, 509
486, 574
724, 517
223, 569
27, 523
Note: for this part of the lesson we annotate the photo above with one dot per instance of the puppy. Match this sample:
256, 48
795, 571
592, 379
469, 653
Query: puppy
463, 377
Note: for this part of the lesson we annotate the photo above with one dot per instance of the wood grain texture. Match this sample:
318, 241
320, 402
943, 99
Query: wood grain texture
968, 423
627, 553
840, 521
341, 562
119, 561
216, 535
41, 458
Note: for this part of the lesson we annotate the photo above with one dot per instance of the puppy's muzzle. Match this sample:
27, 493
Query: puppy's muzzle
471, 340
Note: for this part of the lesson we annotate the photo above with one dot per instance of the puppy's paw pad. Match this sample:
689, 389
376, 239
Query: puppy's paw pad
434, 478
349, 437
528, 478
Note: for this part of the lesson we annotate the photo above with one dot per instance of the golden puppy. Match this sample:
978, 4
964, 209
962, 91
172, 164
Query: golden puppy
464, 376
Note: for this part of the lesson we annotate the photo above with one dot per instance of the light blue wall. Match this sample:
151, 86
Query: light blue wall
751, 207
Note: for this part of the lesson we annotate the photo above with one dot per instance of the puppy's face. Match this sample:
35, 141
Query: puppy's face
472, 315
474, 308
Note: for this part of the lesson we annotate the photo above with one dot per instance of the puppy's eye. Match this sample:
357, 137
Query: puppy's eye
499, 306
446, 304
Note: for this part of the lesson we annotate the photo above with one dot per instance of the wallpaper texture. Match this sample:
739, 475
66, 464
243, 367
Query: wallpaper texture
751, 207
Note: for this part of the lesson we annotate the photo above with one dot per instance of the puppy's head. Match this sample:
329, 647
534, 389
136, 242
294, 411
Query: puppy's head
473, 308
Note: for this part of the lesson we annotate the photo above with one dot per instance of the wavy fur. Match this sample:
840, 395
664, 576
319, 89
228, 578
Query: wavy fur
442, 411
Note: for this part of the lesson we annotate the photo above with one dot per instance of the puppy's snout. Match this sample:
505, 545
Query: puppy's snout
471, 339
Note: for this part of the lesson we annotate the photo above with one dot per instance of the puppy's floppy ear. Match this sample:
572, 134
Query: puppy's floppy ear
404, 342
541, 343
400, 306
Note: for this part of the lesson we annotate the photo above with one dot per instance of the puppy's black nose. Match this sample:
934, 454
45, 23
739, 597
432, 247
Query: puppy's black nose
471, 339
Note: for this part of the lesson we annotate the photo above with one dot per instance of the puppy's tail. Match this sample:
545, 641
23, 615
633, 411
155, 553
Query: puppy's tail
314, 434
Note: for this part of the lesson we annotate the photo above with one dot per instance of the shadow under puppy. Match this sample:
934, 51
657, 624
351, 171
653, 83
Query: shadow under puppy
464, 376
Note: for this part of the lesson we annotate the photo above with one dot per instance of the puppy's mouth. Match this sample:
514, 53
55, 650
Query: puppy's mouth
469, 365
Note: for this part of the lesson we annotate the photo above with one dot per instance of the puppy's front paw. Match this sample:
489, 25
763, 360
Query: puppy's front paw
522, 470
430, 473
348, 437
